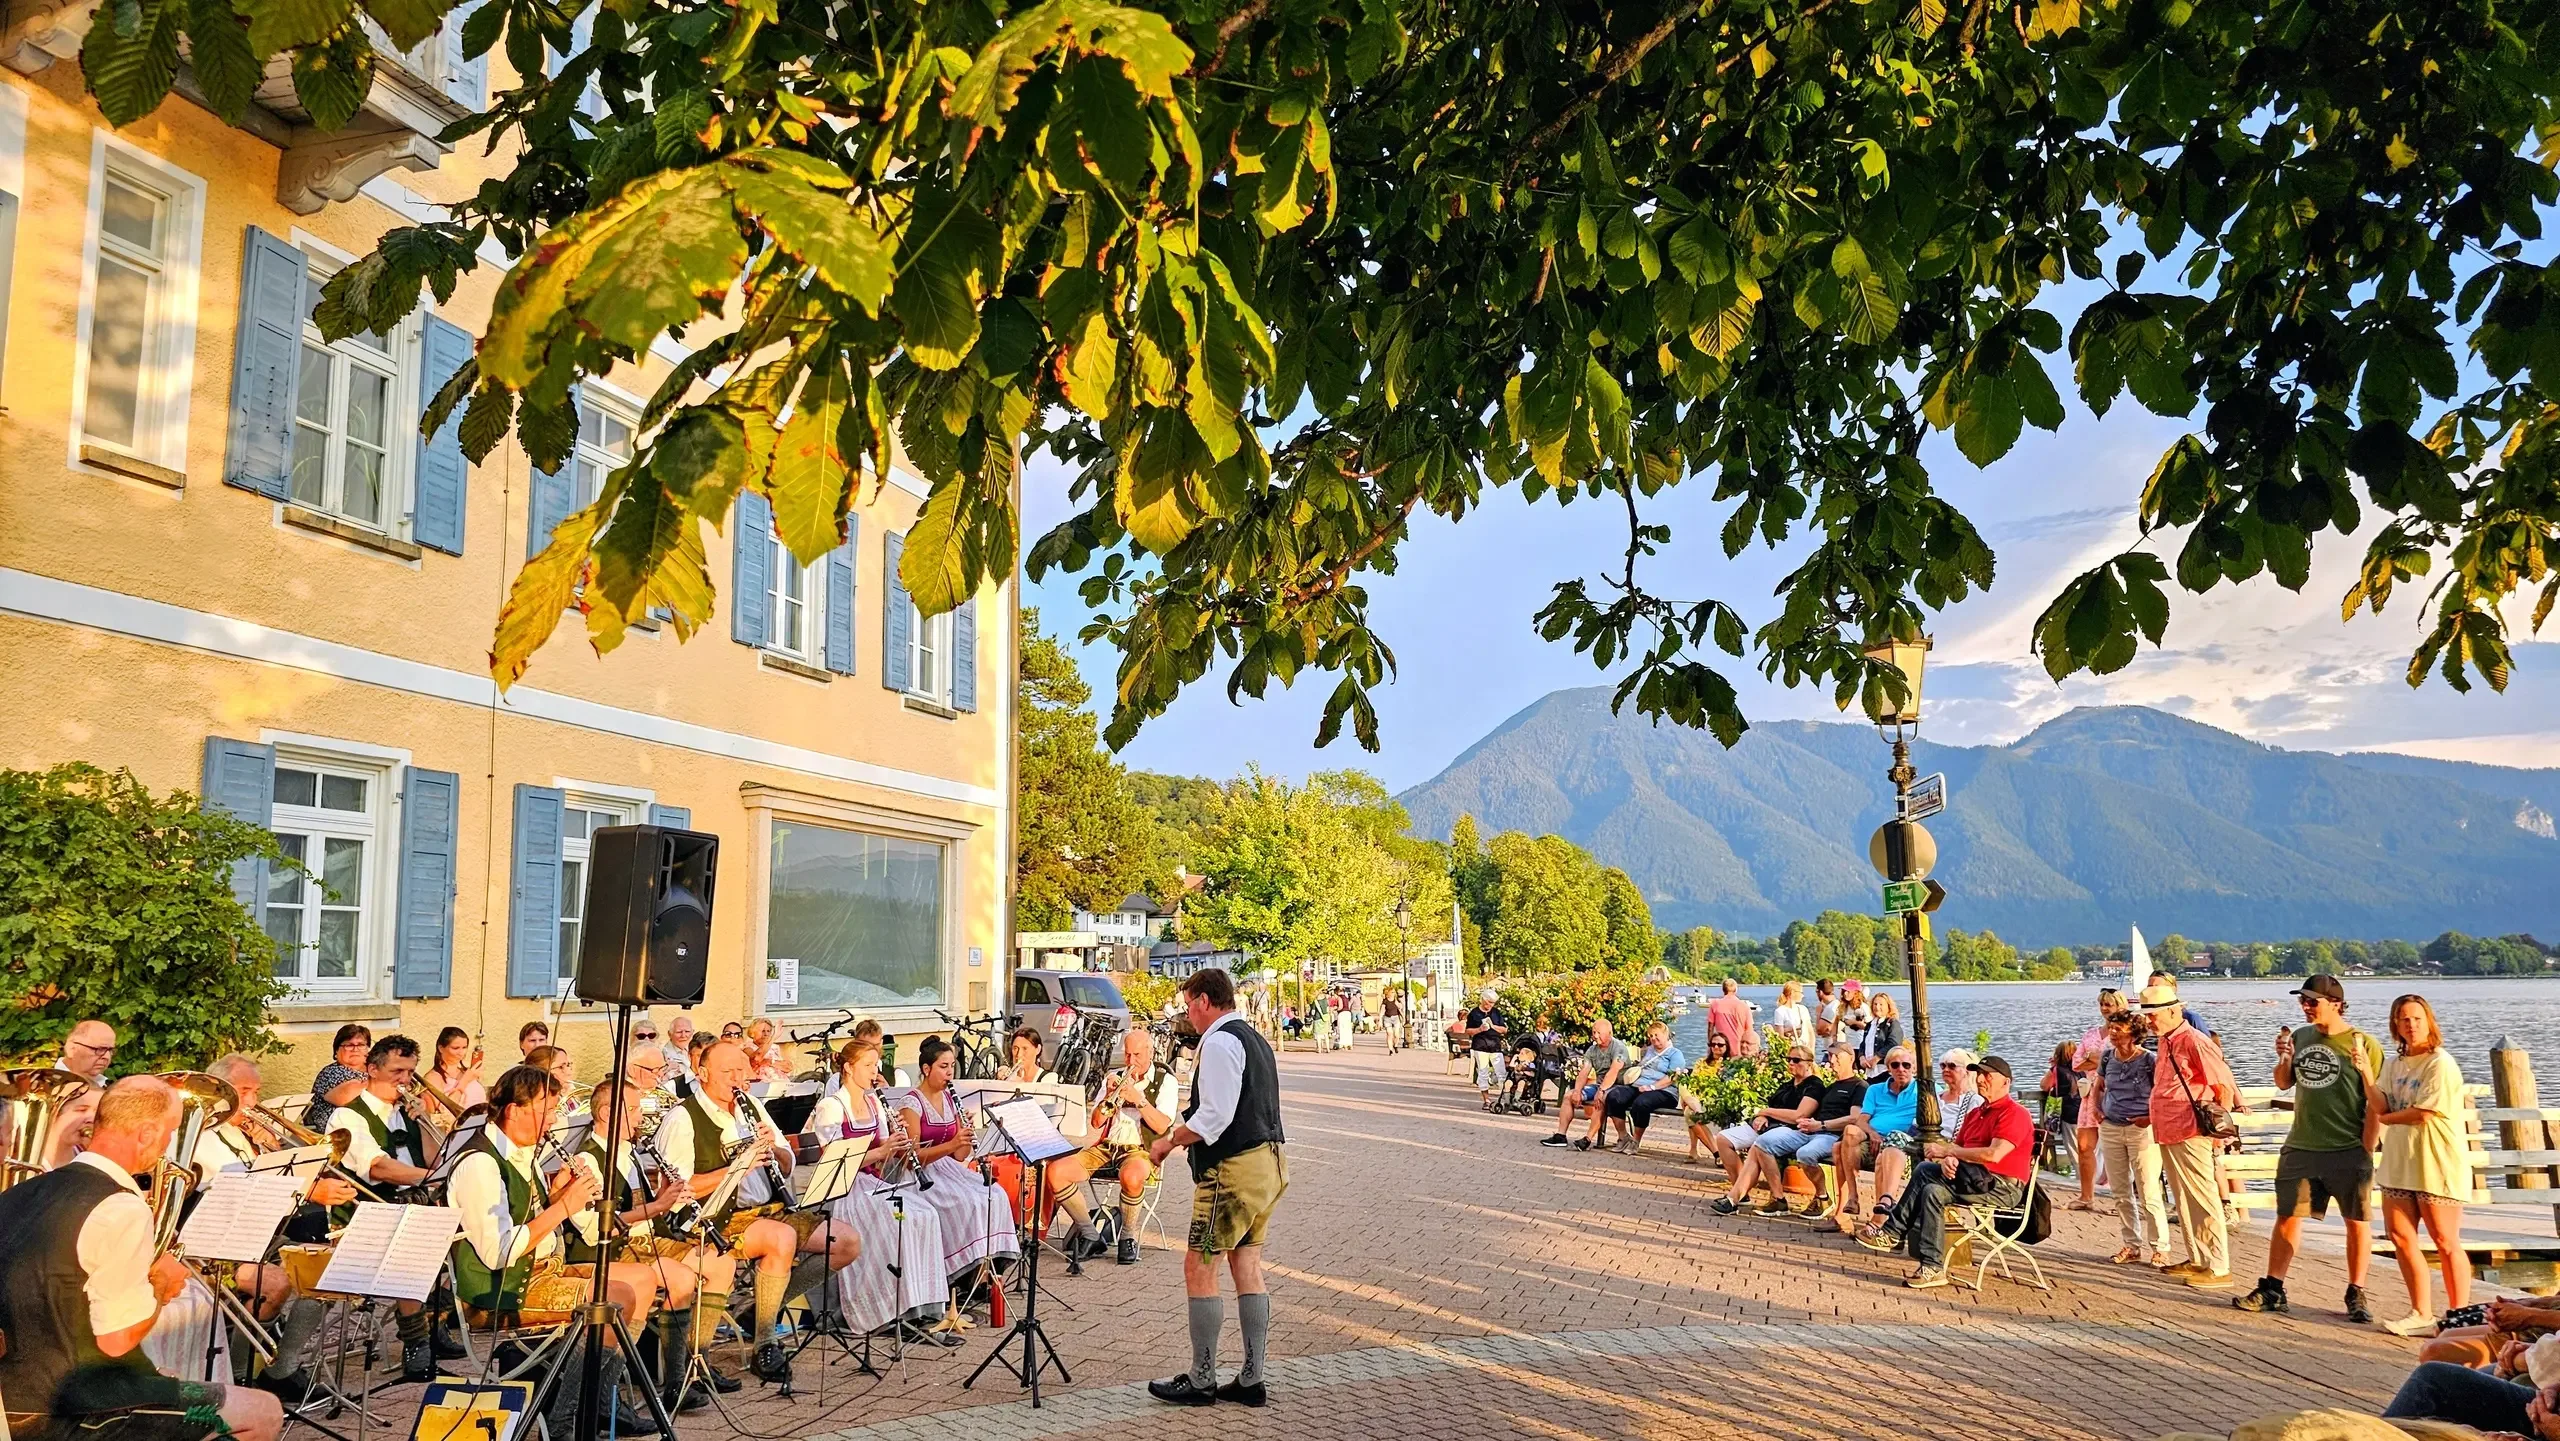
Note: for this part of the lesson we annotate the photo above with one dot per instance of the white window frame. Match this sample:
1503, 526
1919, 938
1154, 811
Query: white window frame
595, 399
169, 335
781, 567
928, 637
13, 184
378, 826
398, 362
627, 807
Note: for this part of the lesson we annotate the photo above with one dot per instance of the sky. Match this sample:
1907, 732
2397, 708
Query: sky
2276, 666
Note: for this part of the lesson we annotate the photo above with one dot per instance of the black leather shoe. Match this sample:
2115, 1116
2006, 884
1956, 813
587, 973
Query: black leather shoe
417, 1361
449, 1347
292, 1390
627, 1420
1180, 1392
722, 1381
770, 1364
693, 1399
1240, 1392
1128, 1250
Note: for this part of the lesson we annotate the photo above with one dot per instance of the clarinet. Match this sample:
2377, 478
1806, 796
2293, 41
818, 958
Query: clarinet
910, 1152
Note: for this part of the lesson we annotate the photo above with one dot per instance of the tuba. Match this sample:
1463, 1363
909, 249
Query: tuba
32, 1098
203, 1101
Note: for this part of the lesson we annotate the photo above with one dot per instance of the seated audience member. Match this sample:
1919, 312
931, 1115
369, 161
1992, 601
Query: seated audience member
1652, 1087
1719, 1051
1879, 1133
2443, 1391
1602, 1062
1991, 1162
1793, 1101
1958, 1093
2513, 1324
1807, 1143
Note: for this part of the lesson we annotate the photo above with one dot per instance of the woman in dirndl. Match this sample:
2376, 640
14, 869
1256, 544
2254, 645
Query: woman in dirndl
977, 1216
884, 1208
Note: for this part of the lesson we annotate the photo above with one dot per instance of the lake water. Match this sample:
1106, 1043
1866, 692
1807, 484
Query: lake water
2027, 1019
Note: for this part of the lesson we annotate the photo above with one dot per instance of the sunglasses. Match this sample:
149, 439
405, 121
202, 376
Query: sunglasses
644, 1035
1799, 1060
1899, 1066
732, 1035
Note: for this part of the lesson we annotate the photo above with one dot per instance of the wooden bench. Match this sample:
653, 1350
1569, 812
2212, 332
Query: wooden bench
2495, 1172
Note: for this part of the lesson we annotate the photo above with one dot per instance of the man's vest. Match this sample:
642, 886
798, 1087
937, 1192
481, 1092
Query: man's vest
1257, 1116
497, 1292
52, 1364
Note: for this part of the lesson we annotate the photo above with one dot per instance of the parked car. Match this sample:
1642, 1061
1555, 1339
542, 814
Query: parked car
1042, 1000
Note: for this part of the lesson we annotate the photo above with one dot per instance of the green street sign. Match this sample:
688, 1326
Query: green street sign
1901, 896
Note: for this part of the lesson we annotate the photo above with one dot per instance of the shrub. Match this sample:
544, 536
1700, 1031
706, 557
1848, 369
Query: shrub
1146, 994
117, 904
1719, 1093
1577, 998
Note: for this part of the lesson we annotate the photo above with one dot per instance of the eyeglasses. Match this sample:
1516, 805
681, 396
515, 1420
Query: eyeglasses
93, 1050
1899, 1066
732, 1034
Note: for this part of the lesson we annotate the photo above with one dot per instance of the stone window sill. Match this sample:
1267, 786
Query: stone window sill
788, 666
302, 518
926, 706
126, 465
325, 1012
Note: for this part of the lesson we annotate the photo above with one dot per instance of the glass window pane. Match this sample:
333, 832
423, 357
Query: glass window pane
284, 884
368, 402
116, 331
342, 870
590, 427
1093, 993
295, 788
342, 793
568, 949
573, 824
313, 402
132, 216
284, 927
573, 889
364, 484
335, 956
861, 913
614, 437
310, 465
588, 478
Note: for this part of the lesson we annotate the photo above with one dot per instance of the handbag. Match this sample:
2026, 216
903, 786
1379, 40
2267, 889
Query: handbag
2212, 1117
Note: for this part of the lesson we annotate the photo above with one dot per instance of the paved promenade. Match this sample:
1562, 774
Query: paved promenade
1436, 1274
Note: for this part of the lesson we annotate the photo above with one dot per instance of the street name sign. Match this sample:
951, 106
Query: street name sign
1926, 798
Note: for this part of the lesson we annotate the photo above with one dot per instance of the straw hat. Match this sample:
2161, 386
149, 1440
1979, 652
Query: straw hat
2158, 994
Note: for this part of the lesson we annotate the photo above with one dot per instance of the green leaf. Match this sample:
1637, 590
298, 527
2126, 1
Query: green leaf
547, 585
129, 73
218, 52
332, 80
811, 477
938, 286
934, 567
802, 204
283, 24
407, 22
1987, 419
653, 257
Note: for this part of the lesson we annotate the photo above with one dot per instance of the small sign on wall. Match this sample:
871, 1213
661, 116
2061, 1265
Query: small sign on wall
781, 983
977, 955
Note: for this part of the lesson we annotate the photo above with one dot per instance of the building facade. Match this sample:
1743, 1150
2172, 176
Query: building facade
229, 563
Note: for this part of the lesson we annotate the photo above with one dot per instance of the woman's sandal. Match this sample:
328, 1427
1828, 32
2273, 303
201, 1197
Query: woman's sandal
2127, 1256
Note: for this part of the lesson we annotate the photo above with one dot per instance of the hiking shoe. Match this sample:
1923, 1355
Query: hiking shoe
1878, 1242
1928, 1278
2416, 1323
1627, 1145
2209, 1280
1724, 1205
2357, 1310
2267, 1295
1774, 1206
1582, 1143
1128, 1250
1559, 1140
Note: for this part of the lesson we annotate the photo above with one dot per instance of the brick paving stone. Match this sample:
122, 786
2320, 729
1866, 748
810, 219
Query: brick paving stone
1435, 1273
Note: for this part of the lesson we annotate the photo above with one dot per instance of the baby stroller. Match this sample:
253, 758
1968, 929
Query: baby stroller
1534, 1068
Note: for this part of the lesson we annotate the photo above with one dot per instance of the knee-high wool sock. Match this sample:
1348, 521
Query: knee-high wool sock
1253, 1318
1208, 1313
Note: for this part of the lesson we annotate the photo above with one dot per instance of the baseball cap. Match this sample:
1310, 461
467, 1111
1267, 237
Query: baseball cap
2329, 987
1989, 1064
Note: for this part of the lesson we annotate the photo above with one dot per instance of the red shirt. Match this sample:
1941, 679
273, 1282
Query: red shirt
2002, 1120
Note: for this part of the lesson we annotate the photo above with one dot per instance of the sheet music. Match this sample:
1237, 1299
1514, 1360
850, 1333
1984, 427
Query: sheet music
394, 1251
303, 1163
238, 1215
1064, 1102
1035, 1137
832, 1174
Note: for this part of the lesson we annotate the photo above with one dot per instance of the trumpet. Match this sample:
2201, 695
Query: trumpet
417, 1098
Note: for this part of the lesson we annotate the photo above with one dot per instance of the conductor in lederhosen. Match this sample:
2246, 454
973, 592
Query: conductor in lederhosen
1232, 1130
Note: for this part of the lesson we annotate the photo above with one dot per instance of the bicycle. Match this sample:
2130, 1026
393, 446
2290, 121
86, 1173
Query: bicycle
978, 1044
1084, 1054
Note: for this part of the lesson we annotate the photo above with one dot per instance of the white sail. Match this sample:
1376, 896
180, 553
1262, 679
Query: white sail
2140, 973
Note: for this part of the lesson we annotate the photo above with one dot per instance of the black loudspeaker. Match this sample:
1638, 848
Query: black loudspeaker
647, 935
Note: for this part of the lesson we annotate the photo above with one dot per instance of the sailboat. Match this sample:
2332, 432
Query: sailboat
2138, 974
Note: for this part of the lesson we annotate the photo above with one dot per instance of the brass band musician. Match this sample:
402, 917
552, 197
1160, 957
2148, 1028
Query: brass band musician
791, 1253
80, 1290
386, 1146
681, 1266
230, 1146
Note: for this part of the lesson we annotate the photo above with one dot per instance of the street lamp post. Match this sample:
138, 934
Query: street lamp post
1404, 967
1897, 721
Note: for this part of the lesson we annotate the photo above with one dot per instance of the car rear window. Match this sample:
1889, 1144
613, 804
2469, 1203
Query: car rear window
1094, 993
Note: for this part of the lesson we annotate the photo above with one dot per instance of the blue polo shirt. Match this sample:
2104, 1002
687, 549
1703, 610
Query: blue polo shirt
1888, 1113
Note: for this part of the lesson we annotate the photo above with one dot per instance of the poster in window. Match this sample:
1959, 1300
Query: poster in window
781, 983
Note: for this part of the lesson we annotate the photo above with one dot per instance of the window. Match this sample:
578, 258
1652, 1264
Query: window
604, 446
1093, 993
578, 825
862, 913
350, 407
136, 350
795, 602
1030, 991
928, 647
324, 916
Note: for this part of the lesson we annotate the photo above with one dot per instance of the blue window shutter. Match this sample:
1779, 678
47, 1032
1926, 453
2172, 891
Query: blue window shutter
533, 918
430, 820
555, 494
240, 782
677, 818
840, 600
444, 477
466, 79
964, 655
896, 666
750, 608
266, 367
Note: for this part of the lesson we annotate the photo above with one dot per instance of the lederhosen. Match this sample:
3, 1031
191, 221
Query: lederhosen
710, 1153
55, 1380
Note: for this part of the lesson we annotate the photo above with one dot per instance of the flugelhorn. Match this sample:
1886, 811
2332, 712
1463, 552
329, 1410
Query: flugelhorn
203, 1101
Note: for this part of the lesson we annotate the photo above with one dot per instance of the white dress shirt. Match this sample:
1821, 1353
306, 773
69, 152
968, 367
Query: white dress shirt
115, 1253
1220, 1080
675, 1142
221, 1148
479, 1192
361, 1150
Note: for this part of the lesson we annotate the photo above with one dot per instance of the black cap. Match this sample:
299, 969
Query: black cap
2328, 986
1992, 1063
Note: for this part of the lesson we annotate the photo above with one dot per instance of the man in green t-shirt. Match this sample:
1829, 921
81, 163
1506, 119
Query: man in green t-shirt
2328, 1155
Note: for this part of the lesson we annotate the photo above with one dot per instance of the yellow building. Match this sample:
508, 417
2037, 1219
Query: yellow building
229, 563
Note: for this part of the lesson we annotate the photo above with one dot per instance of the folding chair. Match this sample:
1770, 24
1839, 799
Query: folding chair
536, 1346
1992, 1235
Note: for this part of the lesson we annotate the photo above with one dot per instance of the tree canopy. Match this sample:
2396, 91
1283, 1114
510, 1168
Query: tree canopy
1272, 276
1086, 842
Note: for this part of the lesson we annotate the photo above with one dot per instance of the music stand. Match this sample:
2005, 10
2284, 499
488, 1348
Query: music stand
831, 1177
1027, 1132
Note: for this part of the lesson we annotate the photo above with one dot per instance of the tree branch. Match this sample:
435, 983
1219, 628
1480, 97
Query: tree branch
1609, 74
1340, 572
1228, 30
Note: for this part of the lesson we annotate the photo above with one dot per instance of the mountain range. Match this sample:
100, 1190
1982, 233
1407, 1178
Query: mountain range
2101, 818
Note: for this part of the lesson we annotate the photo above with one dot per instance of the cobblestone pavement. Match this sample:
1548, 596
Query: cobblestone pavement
1435, 1273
